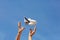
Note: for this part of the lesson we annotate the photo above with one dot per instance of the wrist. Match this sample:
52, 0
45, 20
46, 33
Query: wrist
30, 35
19, 32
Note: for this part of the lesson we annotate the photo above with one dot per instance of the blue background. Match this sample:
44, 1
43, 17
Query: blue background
46, 12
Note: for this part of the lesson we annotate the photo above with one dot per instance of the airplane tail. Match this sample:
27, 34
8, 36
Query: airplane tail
26, 20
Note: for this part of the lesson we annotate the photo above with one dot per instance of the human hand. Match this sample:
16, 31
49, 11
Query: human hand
32, 32
20, 29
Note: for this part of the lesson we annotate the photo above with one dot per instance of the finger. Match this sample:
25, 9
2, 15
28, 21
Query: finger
30, 29
19, 25
35, 27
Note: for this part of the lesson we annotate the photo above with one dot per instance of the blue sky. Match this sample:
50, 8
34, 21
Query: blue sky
46, 12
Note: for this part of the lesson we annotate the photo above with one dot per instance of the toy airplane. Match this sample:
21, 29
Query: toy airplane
29, 21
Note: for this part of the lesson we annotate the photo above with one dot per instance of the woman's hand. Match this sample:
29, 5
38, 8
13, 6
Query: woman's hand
20, 29
32, 32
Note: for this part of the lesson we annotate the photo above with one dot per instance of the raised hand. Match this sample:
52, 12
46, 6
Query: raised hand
32, 32
20, 29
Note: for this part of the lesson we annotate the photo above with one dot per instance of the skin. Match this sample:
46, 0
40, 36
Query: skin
31, 33
20, 29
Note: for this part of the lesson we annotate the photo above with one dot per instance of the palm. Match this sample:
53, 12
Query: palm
21, 29
31, 32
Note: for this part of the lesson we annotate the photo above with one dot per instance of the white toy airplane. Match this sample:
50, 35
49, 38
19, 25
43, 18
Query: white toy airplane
29, 21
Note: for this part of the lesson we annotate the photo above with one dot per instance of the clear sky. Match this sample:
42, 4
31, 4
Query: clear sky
46, 12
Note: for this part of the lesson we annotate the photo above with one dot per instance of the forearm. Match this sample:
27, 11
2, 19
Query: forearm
29, 37
18, 36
